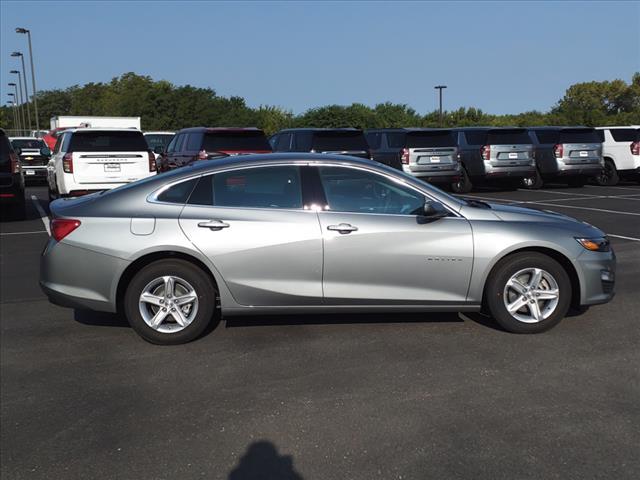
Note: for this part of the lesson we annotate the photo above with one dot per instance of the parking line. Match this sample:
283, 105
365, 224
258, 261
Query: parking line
43, 214
559, 193
23, 233
617, 188
584, 208
623, 237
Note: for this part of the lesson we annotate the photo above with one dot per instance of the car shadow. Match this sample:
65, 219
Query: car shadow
100, 319
262, 461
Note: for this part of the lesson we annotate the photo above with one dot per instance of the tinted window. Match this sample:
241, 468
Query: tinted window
506, 136
579, 135
177, 147
172, 144
105, 141
547, 136
358, 191
396, 139
430, 139
301, 142
374, 139
476, 138
194, 143
625, 134
284, 142
600, 135
265, 187
229, 141
158, 140
338, 141
178, 193
22, 144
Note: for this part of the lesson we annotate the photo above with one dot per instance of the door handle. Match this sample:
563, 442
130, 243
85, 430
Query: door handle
343, 228
214, 224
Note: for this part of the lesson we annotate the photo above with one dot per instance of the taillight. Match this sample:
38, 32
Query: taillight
202, 155
15, 163
558, 150
635, 148
405, 156
67, 163
152, 162
486, 152
61, 227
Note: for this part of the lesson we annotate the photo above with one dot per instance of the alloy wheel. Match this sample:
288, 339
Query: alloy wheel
168, 304
531, 295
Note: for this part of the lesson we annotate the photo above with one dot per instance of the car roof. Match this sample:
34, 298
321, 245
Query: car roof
219, 129
486, 129
616, 127
159, 133
25, 138
563, 127
337, 129
101, 129
409, 129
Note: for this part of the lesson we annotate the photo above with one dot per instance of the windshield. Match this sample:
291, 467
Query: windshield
28, 143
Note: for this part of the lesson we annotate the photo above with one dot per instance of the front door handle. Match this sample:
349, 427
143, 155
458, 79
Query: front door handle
214, 224
343, 228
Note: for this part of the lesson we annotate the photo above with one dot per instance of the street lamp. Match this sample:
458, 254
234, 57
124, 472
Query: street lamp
15, 104
440, 88
19, 98
33, 73
26, 94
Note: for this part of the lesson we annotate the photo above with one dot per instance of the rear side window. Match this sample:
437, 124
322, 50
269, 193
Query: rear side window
476, 138
283, 143
508, 136
396, 139
338, 141
158, 140
430, 139
229, 141
264, 187
108, 142
579, 135
178, 193
625, 134
194, 143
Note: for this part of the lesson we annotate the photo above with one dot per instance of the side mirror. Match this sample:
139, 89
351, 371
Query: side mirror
434, 210
17, 151
158, 150
45, 152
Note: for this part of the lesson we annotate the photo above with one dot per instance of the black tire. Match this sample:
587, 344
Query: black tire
463, 185
534, 182
609, 176
576, 182
504, 270
196, 277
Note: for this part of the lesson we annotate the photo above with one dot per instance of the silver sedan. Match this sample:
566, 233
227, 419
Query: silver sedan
309, 233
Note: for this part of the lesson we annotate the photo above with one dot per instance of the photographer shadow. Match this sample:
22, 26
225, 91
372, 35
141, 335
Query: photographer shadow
263, 462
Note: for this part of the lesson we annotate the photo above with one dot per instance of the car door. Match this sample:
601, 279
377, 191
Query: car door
378, 249
252, 224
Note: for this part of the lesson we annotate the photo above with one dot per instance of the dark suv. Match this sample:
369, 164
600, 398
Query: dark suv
503, 155
11, 180
569, 154
202, 143
343, 141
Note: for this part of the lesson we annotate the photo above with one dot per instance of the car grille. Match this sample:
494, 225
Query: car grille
34, 161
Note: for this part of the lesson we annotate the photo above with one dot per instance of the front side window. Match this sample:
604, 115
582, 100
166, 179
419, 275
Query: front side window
358, 191
260, 187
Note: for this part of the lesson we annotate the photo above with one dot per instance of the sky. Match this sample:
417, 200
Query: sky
502, 57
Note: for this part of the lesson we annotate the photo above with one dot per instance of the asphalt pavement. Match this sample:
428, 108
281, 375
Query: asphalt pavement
393, 396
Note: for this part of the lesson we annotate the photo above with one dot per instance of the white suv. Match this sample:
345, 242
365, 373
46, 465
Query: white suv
86, 160
621, 153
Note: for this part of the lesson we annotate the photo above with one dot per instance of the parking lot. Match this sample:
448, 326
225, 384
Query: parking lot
318, 397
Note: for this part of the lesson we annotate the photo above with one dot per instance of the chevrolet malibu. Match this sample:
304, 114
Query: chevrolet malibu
313, 233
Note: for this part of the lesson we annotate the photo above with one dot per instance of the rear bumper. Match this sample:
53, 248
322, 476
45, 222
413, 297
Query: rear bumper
34, 172
572, 170
597, 271
495, 172
67, 184
434, 173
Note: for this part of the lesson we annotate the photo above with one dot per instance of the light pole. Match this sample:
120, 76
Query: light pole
33, 74
13, 111
440, 88
19, 98
15, 105
26, 94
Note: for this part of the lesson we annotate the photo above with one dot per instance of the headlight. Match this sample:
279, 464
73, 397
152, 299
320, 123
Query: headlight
600, 244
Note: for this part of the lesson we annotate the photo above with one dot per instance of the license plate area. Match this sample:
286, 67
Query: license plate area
513, 155
583, 154
111, 167
29, 172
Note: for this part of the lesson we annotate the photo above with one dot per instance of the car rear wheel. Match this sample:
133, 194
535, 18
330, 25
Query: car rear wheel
533, 182
463, 185
528, 293
609, 176
170, 302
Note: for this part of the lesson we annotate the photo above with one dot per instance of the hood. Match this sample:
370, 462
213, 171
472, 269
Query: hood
510, 213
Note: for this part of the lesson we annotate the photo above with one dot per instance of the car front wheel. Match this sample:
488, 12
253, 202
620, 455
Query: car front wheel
528, 293
170, 302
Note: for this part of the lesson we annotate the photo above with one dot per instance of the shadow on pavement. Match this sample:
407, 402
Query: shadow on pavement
262, 462
99, 319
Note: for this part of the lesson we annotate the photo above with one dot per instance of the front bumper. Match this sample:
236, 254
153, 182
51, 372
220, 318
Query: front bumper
597, 271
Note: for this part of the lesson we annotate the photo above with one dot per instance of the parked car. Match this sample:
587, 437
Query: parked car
343, 141
202, 143
621, 153
34, 156
567, 154
12, 199
158, 141
310, 233
429, 154
88, 160
503, 155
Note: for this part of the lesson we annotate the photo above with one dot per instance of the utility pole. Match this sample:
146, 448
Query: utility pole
33, 74
19, 98
440, 88
23, 91
16, 113
13, 111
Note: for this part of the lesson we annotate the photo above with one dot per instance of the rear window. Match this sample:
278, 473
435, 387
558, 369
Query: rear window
625, 134
336, 141
476, 138
396, 139
508, 136
158, 140
108, 142
374, 139
236, 141
430, 139
22, 144
547, 136
579, 135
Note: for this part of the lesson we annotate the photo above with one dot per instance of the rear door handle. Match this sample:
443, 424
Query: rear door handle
343, 228
214, 224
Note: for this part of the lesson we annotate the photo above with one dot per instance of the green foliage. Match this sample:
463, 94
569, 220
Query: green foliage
164, 106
